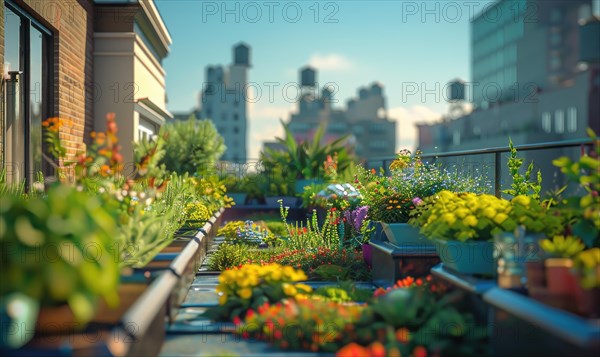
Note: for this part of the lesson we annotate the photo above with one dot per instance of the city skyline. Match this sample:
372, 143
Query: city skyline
344, 53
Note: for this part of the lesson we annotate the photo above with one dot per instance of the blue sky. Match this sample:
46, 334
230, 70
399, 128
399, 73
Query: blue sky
401, 44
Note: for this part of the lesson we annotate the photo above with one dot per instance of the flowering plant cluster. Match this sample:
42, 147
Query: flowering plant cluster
410, 282
464, 216
249, 286
309, 260
360, 225
308, 324
312, 235
392, 198
412, 320
196, 214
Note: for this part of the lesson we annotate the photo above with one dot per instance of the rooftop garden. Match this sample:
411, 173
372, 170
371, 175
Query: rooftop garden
71, 248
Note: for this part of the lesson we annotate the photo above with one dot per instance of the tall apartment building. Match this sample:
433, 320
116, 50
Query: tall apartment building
223, 100
77, 60
528, 83
372, 133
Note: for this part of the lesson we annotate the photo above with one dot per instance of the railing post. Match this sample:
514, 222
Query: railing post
497, 173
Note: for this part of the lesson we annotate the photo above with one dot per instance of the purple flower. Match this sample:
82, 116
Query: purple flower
417, 201
357, 217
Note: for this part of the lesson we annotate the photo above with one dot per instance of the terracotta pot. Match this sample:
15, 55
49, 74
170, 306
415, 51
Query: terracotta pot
57, 320
559, 277
536, 274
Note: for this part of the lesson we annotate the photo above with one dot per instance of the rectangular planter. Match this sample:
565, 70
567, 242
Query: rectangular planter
536, 329
403, 234
140, 330
391, 263
473, 257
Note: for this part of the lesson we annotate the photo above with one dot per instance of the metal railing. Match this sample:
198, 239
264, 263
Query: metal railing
497, 151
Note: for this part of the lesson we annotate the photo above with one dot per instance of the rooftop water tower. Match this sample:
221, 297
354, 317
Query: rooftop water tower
456, 97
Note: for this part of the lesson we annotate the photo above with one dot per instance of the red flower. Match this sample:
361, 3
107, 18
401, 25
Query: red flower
420, 351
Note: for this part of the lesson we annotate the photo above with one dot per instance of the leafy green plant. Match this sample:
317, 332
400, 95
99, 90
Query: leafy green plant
58, 249
148, 155
562, 247
305, 160
230, 229
228, 256
522, 183
312, 235
191, 146
588, 264
407, 320
584, 210
344, 291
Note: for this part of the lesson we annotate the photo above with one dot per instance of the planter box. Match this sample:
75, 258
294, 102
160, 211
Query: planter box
238, 197
288, 201
475, 258
149, 297
525, 327
401, 234
140, 331
391, 263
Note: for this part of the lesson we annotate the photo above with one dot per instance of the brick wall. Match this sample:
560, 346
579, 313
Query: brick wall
71, 22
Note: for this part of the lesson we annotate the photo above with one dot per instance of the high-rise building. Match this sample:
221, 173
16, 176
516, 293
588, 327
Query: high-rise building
223, 100
372, 133
528, 81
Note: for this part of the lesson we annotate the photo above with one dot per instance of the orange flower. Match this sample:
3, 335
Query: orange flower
377, 349
353, 350
402, 335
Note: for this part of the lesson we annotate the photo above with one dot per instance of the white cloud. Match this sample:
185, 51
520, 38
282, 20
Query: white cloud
332, 61
406, 118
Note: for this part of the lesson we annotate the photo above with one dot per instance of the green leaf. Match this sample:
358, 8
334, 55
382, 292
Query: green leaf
561, 162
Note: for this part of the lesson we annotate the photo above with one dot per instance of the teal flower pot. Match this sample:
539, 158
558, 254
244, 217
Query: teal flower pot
402, 234
474, 257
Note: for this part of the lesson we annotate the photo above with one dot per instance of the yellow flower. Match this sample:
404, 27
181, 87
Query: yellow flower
245, 293
303, 287
461, 213
449, 218
522, 200
470, 221
289, 289
489, 212
500, 218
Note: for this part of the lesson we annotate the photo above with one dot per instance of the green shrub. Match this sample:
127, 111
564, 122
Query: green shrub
192, 145
228, 256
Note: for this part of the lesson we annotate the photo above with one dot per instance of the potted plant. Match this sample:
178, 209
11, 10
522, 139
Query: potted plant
303, 161
587, 264
360, 230
58, 251
462, 226
391, 198
277, 184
